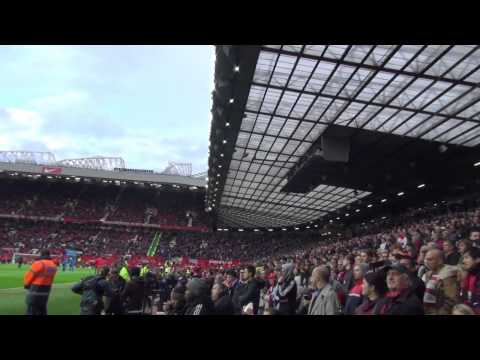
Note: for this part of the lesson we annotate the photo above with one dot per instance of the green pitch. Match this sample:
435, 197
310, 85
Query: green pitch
62, 300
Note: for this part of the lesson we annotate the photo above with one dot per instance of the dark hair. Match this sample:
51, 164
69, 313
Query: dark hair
467, 243
369, 252
473, 252
377, 279
350, 258
231, 272
409, 259
135, 271
251, 269
223, 288
104, 271
179, 289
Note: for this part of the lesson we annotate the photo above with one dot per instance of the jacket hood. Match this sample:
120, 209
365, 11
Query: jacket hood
287, 270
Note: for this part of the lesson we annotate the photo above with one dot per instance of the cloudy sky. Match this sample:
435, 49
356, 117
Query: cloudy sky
147, 104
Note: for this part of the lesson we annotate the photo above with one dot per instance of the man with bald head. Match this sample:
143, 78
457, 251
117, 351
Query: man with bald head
324, 300
442, 288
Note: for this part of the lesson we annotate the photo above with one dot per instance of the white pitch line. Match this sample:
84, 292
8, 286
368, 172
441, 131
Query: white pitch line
54, 285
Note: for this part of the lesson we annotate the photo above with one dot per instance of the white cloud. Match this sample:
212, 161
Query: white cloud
21, 119
67, 100
147, 104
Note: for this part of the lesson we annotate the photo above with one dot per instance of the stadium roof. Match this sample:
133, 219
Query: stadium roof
273, 103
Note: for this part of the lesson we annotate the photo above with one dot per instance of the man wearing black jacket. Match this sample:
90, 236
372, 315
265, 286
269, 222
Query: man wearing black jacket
221, 300
232, 282
452, 256
117, 284
249, 292
93, 289
133, 295
197, 298
400, 299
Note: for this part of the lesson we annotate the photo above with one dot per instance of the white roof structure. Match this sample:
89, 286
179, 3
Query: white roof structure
295, 92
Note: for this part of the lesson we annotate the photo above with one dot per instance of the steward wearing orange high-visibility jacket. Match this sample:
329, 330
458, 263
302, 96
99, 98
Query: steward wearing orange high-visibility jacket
38, 281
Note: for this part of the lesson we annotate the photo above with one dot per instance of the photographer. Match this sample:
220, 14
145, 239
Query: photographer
93, 289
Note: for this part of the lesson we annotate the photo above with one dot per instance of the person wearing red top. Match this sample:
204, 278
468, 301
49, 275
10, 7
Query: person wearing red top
470, 289
355, 297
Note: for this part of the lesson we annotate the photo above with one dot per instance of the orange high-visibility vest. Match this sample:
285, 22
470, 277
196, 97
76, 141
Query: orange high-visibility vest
41, 273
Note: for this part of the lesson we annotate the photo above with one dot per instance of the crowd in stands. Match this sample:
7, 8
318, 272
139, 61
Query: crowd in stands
386, 279
97, 240
91, 240
423, 261
419, 265
96, 201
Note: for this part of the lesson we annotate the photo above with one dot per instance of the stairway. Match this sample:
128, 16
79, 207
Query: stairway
154, 245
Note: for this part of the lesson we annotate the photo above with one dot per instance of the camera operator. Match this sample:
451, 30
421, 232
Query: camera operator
93, 289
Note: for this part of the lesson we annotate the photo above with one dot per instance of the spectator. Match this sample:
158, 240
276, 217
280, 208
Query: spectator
117, 284
475, 237
373, 291
355, 298
470, 288
324, 299
346, 278
416, 284
219, 279
463, 246
305, 275
285, 292
400, 299
422, 268
442, 289
232, 282
133, 295
365, 256
197, 299
176, 304
300, 285
221, 300
452, 257
384, 256
249, 291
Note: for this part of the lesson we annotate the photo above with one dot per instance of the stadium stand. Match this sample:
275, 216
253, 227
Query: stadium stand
341, 181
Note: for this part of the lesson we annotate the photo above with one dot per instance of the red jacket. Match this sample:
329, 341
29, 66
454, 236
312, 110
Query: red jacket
470, 290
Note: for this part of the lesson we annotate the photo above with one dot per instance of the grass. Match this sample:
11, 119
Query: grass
62, 300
